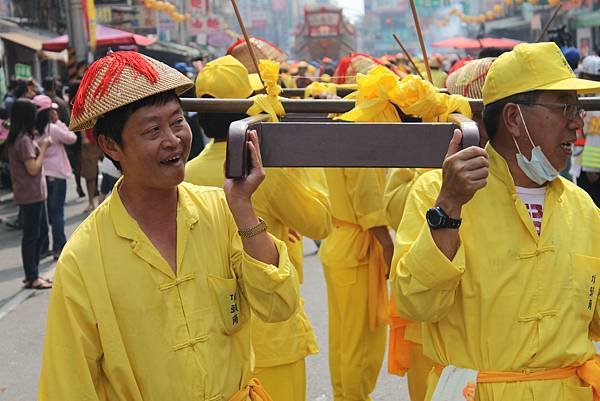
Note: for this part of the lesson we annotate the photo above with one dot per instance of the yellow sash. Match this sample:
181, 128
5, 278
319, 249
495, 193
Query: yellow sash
377, 293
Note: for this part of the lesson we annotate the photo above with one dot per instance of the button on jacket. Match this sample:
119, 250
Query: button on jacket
123, 326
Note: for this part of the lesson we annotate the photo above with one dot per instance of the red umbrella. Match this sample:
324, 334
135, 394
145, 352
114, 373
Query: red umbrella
502, 43
458, 42
105, 36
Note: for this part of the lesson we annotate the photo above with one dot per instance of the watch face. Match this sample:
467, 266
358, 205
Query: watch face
434, 218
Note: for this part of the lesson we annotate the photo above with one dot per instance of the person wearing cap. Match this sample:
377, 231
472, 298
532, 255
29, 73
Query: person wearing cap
152, 293
293, 202
500, 259
589, 176
466, 81
57, 168
302, 80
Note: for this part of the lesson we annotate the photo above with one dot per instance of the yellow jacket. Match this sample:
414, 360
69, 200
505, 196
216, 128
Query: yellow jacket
356, 196
510, 300
397, 187
122, 326
288, 198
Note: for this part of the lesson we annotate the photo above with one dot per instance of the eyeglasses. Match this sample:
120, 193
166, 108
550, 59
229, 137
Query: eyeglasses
570, 111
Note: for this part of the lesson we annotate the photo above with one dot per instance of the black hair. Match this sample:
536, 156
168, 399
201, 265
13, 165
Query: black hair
42, 119
111, 124
491, 52
49, 84
22, 120
20, 89
72, 89
216, 125
493, 111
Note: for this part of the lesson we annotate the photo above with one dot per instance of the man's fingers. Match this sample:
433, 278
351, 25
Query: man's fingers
478, 174
253, 136
455, 143
476, 163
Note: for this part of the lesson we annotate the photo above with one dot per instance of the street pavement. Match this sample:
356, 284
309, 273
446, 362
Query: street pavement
23, 317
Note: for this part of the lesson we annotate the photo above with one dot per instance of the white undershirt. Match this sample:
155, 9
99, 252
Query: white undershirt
533, 198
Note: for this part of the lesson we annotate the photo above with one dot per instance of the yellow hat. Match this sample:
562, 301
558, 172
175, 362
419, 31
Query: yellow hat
225, 78
529, 67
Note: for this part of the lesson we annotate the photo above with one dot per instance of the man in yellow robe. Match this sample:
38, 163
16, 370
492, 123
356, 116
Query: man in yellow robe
153, 292
511, 296
290, 201
358, 246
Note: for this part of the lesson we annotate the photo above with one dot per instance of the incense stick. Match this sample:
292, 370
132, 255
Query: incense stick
407, 55
247, 38
421, 41
550, 21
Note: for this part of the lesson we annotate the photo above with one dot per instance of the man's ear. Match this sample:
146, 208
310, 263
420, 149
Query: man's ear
110, 147
511, 118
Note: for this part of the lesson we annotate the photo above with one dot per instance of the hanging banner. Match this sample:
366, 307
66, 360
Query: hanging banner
91, 9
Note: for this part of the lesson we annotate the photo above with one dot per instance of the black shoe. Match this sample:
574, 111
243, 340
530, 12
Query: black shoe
46, 254
15, 225
80, 192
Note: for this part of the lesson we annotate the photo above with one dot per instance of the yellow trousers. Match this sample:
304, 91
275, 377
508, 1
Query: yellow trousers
420, 366
284, 382
355, 352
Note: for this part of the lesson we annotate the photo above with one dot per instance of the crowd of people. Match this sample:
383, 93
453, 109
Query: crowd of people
185, 284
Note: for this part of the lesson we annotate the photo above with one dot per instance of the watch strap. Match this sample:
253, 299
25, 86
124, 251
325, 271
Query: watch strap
252, 231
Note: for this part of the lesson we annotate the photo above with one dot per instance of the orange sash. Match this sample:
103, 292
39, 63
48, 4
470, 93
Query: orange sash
254, 391
589, 373
377, 292
399, 352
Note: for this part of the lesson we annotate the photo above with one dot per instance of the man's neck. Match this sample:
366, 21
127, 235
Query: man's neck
520, 179
146, 204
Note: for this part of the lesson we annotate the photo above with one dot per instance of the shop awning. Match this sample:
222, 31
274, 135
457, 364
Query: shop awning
34, 42
588, 20
174, 48
105, 36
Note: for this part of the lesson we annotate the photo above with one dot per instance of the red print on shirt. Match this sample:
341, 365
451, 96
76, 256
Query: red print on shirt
536, 212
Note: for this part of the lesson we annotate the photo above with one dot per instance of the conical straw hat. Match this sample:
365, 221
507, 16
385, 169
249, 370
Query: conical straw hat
263, 49
118, 79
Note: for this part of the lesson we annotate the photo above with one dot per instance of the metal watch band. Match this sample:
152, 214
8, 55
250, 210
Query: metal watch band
252, 231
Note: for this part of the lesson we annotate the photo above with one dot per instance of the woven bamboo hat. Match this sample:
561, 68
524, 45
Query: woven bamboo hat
468, 80
118, 79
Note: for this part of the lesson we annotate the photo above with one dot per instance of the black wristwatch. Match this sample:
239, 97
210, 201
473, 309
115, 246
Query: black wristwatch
437, 218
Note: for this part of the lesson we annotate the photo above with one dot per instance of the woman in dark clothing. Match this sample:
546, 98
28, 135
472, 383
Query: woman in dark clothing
29, 187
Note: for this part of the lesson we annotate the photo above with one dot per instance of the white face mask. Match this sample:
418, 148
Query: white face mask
538, 169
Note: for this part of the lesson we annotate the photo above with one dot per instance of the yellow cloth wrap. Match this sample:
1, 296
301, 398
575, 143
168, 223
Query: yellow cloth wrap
381, 89
254, 391
378, 292
269, 103
589, 373
320, 88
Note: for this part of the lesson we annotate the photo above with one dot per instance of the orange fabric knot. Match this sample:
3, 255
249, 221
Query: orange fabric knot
254, 391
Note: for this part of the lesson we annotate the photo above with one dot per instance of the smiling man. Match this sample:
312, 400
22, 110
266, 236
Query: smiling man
500, 258
152, 292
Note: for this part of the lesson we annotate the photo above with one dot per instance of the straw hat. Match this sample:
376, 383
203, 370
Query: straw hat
118, 79
468, 80
263, 49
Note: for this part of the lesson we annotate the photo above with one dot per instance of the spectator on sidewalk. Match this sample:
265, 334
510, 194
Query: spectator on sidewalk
51, 89
90, 156
74, 150
56, 166
29, 187
110, 175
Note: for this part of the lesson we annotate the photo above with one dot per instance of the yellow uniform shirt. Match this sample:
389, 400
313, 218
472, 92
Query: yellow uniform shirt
286, 199
208, 167
123, 326
510, 300
356, 196
397, 187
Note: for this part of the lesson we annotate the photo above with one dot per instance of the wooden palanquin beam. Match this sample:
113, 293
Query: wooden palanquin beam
307, 138
344, 144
